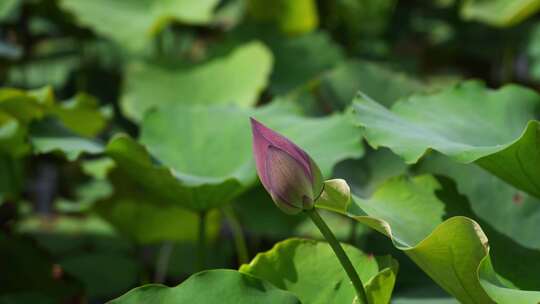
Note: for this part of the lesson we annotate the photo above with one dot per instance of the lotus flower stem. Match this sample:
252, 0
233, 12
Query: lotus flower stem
340, 253
201, 246
238, 235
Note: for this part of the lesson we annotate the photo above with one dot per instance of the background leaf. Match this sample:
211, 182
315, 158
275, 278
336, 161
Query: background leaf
237, 78
79, 244
51, 136
22, 257
499, 12
151, 16
292, 17
379, 82
147, 219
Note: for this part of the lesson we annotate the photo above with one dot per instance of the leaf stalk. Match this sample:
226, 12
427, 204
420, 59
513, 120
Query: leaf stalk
341, 255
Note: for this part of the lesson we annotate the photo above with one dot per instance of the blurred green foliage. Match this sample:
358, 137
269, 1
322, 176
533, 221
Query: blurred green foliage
124, 131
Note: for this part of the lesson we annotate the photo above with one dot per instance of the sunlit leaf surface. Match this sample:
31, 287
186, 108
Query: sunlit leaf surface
496, 129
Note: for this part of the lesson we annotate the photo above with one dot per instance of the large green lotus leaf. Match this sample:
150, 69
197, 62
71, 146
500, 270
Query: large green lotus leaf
468, 122
501, 292
236, 78
380, 83
132, 24
310, 270
210, 161
212, 286
136, 213
213, 145
409, 212
501, 13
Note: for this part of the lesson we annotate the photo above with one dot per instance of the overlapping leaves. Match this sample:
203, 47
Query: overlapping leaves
421, 216
470, 123
34, 121
210, 161
297, 265
288, 273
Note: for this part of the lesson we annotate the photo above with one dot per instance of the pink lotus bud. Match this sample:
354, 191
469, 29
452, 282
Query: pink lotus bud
287, 172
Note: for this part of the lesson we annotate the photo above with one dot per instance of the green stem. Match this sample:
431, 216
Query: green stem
341, 255
238, 235
201, 248
163, 262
